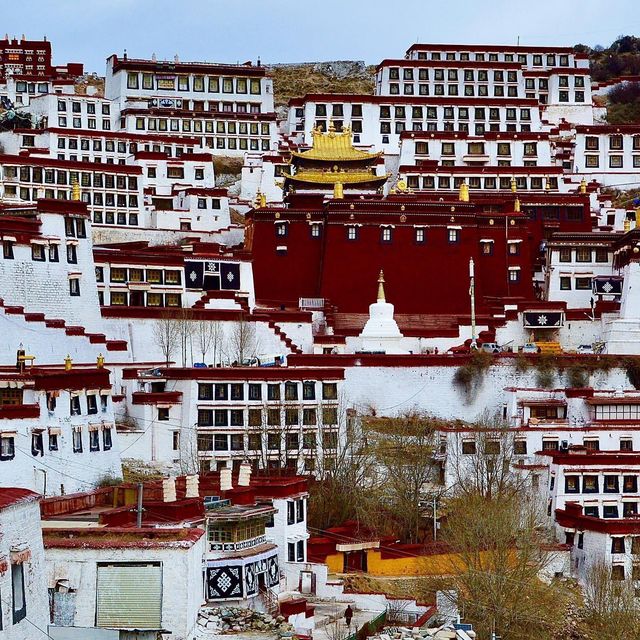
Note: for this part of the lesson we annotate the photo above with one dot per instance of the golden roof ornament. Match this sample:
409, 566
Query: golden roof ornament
75, 190
583, 186
514, 185
627, 224
638, 218
338, 190
261, 200
516, 205
463, 194
381, 297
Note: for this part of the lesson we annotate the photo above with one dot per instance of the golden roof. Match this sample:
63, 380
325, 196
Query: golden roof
334, 146
332, 177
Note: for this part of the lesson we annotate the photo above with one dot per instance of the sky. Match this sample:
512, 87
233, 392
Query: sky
302, 30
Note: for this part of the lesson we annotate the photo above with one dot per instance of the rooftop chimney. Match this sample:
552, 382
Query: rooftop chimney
226, 483
169, 489
193, 486
244, 477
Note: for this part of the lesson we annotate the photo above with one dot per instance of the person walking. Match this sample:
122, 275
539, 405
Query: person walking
348, 614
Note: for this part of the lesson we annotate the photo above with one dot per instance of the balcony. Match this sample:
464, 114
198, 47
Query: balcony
19, 411
237, 546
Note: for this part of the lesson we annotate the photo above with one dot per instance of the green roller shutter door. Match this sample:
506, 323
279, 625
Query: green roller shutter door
129, 596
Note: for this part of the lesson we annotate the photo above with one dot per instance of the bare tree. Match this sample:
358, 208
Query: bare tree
404, 448
242, 343
481, 461
166, 335
345, 470
185, 323
497, 532
612, 611
208, 336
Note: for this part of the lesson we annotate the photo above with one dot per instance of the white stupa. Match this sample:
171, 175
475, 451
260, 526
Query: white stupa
381, 332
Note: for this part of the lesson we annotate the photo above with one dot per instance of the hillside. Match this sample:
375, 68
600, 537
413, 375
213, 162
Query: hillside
297, 79
621, 58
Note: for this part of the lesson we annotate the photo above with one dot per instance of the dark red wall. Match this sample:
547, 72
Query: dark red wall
428, 278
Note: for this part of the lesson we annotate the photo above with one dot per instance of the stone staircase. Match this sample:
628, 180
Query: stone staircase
58, 323
294, 348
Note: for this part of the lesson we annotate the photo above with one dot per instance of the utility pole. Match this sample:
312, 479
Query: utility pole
472, 295
435, 519
139, 508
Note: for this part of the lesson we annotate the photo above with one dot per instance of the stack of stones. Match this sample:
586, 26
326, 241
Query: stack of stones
236, 619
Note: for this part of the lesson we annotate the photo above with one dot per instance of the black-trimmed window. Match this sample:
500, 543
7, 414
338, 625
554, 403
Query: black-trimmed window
237, 391
77, 441
352, 232
290, 390
255, 391
205, 391
386, 235
221, 391
273, 391
7, 448
610, 511
92, 404
469, 447
453, 236
629, 484
94, 440
37, 253
37, 443
18, 593
74, 286
419, 235
7, 250
611, 484
163, 413
308, 390
592, 511
221, 418
107, 441
572, 484
53, 442
590, 484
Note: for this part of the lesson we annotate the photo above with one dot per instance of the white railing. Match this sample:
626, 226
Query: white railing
311, 303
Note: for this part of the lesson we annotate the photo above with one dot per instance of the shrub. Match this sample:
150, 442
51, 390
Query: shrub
522, 363
632, 367
545, 374
469, 376
577, 377
107, 480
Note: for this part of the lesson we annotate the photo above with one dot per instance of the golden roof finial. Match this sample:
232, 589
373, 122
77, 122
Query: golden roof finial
583, 186
547, 184
100, 361
514, 185
75, 190
516, 205
68, 363
338, 190
381, 297
261, 200
638, 218
332, 129
463, 194
626, 225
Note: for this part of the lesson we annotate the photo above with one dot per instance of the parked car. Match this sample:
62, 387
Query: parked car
530, 347
491, 347
584, 349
